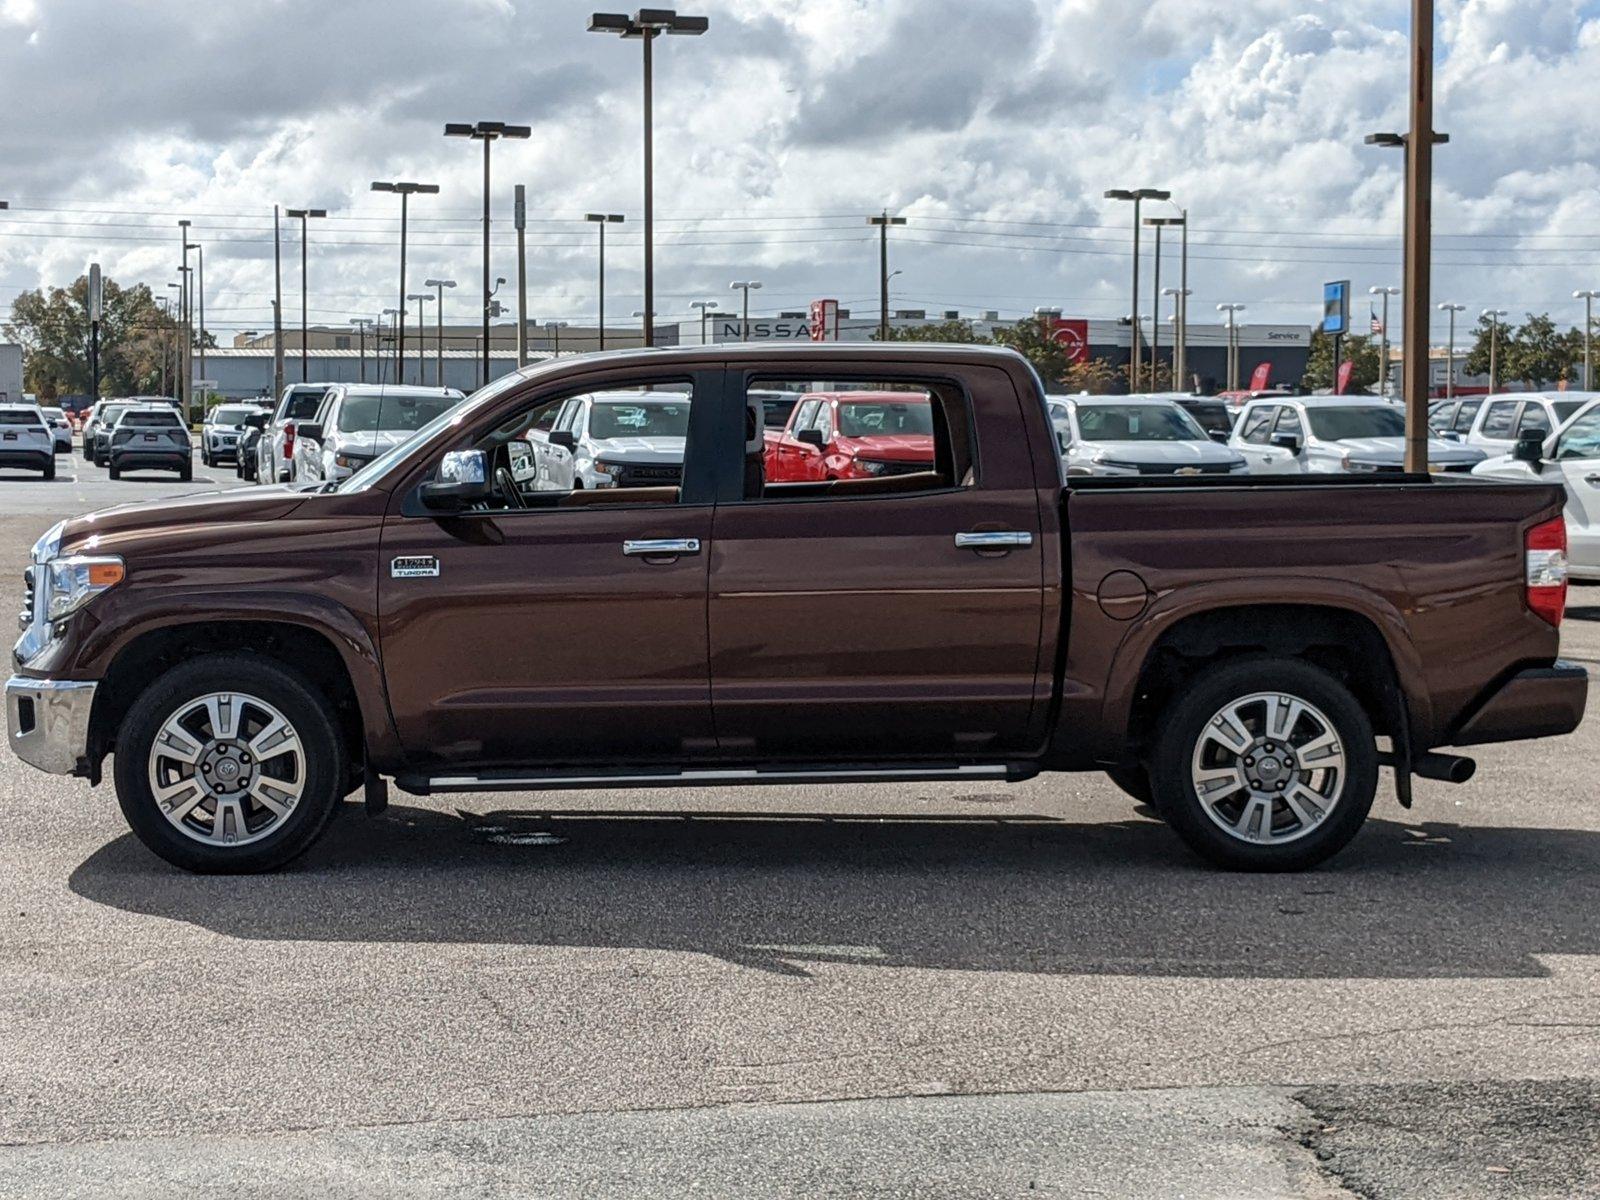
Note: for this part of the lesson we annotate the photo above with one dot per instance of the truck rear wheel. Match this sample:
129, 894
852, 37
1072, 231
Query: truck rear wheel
229, 763
1267, 764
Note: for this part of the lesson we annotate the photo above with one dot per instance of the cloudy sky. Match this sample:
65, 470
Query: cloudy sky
993, 126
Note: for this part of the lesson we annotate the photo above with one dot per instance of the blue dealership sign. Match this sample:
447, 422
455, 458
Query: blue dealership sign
1336, 307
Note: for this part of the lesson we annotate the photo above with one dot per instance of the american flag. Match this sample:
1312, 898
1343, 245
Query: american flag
1377, 325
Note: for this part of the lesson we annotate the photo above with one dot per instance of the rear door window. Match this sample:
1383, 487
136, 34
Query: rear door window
1500, 419
1466, 415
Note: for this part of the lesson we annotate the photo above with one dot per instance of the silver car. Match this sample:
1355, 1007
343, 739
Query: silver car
1334, 434
60, 428
26, 440
610, 439
1135, 435
222, 431
357, 422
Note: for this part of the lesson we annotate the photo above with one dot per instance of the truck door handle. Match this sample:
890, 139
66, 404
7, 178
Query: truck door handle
1592, 479
995, 539
654, 546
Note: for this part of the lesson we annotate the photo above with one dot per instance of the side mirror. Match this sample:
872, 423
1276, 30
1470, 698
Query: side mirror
1529, 449
463, 479
1287, 441
311, 431
811, 437
521, 455
564, 438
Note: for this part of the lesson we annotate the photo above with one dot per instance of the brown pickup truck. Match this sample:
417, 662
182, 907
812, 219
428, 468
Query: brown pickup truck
1243, 653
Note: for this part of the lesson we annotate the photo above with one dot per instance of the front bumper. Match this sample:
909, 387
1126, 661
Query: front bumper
48, 722
1533, 703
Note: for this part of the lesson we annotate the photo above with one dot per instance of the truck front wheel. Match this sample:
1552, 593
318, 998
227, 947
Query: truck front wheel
228, 763
1266, 764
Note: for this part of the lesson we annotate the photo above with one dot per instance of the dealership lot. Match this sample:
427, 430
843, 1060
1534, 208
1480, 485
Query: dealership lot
864, 983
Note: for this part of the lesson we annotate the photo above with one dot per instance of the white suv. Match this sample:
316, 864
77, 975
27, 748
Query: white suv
1332, 434
222, 431
357, 422
26, 440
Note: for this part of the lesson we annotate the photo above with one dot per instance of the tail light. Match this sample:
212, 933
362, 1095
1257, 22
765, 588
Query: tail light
1546, 546
288, 440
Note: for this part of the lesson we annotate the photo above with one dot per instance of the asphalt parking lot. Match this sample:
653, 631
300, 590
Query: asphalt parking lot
889, 990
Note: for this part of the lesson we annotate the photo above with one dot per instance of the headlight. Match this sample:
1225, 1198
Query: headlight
871, 466
609, 471
344, 460
1114, 464
49, 544
1238, 466
75, 580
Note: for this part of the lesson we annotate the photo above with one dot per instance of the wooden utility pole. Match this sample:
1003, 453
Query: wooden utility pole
1418, 237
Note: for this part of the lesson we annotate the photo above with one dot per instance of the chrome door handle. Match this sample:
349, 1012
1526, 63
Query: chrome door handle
997, 539
1592, 479
652, 546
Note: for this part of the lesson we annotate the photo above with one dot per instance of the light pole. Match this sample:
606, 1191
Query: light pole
1180, 367
883, 220
1138, 196
1494, 315
601, 220
405, 190
744, 326
1588, 298
705, 307
277, 307
1383, 352
1233, 344
167, 308
646, 25
1450, 350
552, 329
304, 214
399, 317
648, 323
1182, 222
486, 132
361, 324
421, 298
439, 285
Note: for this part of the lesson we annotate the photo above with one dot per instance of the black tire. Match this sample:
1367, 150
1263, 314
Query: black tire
293, 696
115, 471
186, 472
1132, 780
1189, 714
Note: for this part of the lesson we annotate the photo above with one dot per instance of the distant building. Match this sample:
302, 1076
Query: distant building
10, 372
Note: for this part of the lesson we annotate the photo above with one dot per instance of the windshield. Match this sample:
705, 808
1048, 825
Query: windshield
303, 406
858, 419
639, 418
1136, 423
399, 413
163, 420
1366, 421
230, 414
1564, 409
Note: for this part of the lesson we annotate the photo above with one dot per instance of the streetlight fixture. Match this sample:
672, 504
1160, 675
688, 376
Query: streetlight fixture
439, 285
421, 298
1383, 352
744, 286
405, 190
601, 220
645, 26
1450, 350
1159, 223
1588, 298
486, 132
1494, 315
705, 307
1138, 196
303, 214
1233, 343
883, 220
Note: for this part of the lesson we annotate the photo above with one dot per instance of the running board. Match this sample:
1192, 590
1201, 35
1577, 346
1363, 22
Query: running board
514, 781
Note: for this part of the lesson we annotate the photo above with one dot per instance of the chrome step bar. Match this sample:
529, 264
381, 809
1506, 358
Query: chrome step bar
421, 785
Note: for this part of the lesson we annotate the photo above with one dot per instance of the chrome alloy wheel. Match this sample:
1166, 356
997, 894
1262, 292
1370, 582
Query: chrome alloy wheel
1268, 768
226, 768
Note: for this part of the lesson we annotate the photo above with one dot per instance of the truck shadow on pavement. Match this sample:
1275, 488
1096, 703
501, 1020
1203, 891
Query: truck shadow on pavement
1022, 893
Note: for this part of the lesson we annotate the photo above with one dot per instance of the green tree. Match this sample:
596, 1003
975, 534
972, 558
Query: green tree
1538, 354
53, 329
1031, 339
1097, 376
1477, 360
941, 331
1359, 349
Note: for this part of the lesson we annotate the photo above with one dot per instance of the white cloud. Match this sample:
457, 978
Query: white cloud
780, 130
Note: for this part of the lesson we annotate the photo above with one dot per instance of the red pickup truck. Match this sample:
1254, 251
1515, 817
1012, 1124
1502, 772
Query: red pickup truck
1230, 649
853, 435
